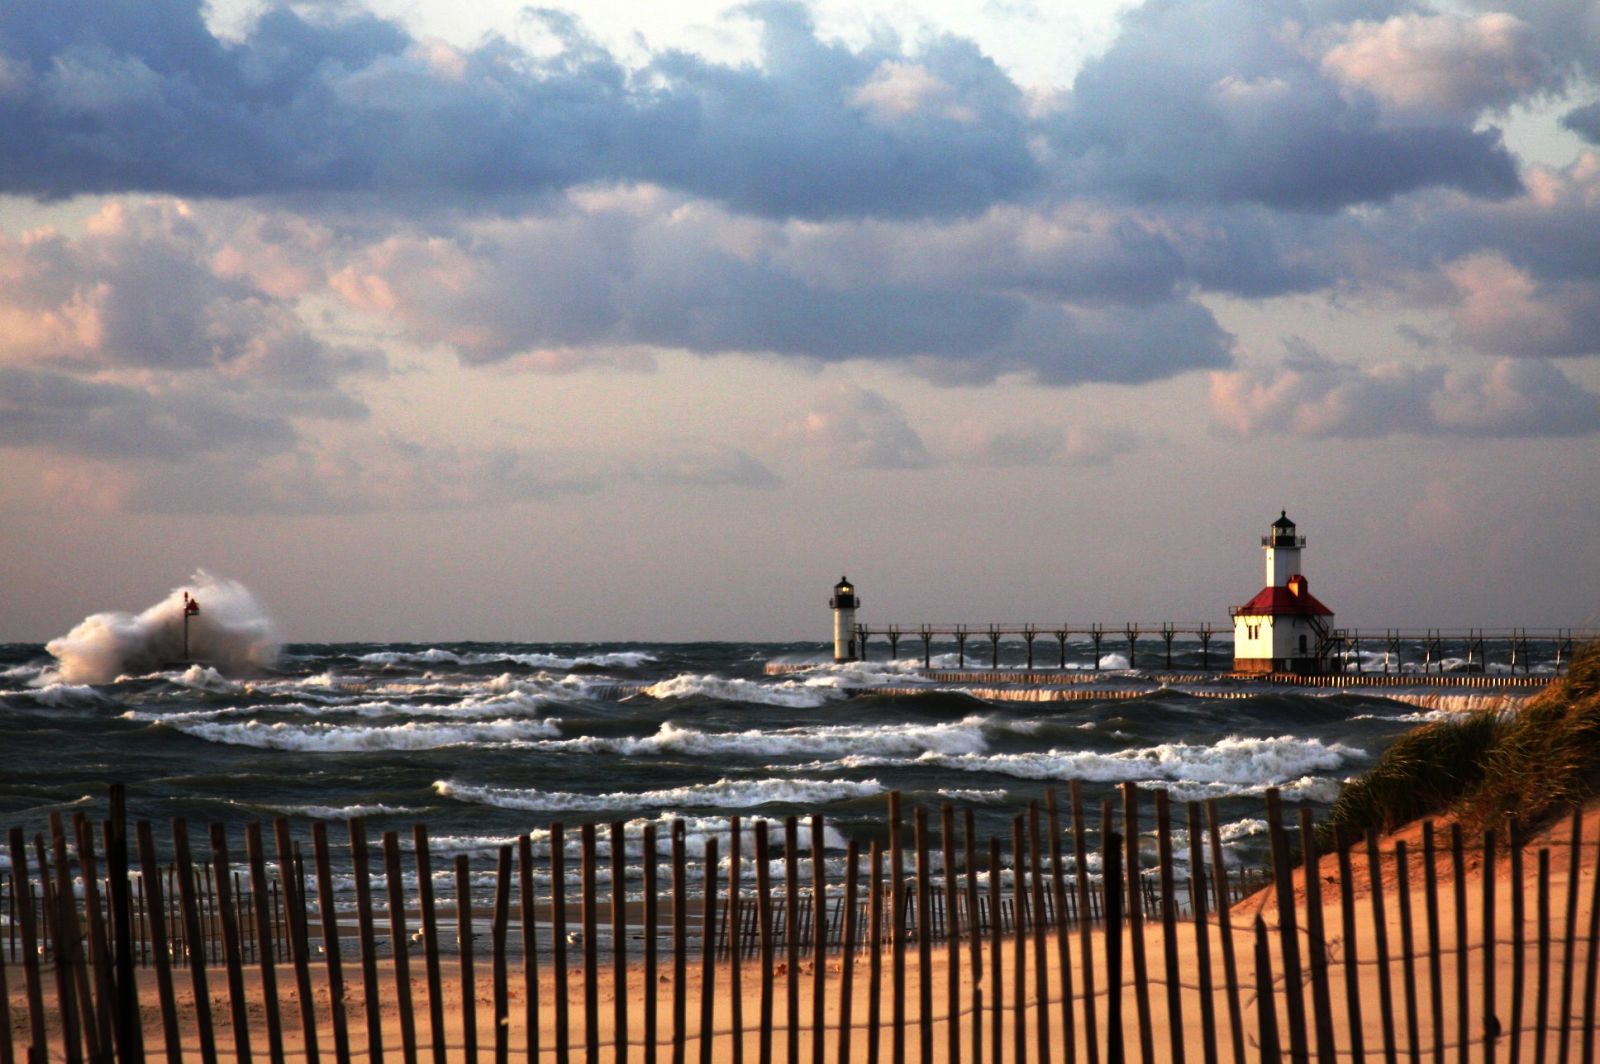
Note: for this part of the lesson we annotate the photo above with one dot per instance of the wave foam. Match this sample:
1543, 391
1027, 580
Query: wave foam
790, 694
334, 738
232, 632
724, 793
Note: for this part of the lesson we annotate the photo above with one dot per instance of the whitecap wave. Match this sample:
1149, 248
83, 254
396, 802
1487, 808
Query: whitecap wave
723, 793
954, 737
792, 694
317, 737
437, 656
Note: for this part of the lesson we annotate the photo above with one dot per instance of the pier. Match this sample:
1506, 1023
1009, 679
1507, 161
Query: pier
1450, 657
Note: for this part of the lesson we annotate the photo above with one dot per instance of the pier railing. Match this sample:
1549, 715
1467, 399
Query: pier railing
1046, 645
1043, 943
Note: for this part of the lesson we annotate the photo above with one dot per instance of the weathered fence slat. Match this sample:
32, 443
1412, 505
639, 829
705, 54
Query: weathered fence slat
1135, 920
791, 934
400, 950
847, 951
368, 933
875, 958
1541, 1007
498, 932
1380, 946
1169, 925
1570, 932
924, 939
469, 979
652, 919
1080, 869
1408, 968
237, 1002
151, 869
619, 939
1352, 959
558, 939
428, 918
1518, 941
708, 957
1202, 934
1111, 870
1491, 1019
1430, 897
591, 945
333, 963
191, 937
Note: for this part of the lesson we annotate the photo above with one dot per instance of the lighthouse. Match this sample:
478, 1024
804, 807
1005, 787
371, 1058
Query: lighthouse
1284, 628
844, 603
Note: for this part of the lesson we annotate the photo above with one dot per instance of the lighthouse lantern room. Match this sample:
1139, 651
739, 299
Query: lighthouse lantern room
1284, 628
844, 603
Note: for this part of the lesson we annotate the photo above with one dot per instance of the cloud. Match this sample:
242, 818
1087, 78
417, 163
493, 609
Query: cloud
1316, 397
1427, 66
717, 466
1501, 308
1584, 121
1222, 101
59, 413
1195, 101
630, 269
123, 95
855, 428
139, 290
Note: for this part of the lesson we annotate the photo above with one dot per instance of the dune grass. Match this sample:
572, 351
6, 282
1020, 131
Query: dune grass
1487, 766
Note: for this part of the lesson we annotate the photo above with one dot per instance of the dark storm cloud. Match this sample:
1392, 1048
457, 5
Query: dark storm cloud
118, 95
1197, 101
1223, 100
1584, 121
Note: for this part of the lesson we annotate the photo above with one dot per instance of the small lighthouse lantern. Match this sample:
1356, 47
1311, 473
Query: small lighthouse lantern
844, 603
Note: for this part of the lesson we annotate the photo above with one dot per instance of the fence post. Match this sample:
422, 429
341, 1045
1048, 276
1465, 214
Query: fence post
1288, 932
558, 938
151, 876
819, 941
95, 936
952, 932
1569, 946
1202, 933
924, 938
680, 944
369, 957
498, 932
996, 970
652, 926
708, 955
230, 943
1080, 869
429, 919
875, 958
1135, 918
330, 943
764, 930
974, 932
591, 948
1111, 875
399, 947
299, 940
1380, 929
129, 1030
1463, 997
1169, 925
1408, 966
619, 940
1430, 888
192, 940
1491, 1019
1316, 941
897, 944
1019, 943
1518, 940
1352, 971
1266, 1010
847, 951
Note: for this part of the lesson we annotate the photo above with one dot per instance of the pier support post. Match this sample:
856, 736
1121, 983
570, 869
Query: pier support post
862, 635
1061, 637
961, 646
994, 647
1029, 632
894, 642
1132, 632
1205, 634
927, 647
1166, 636
1097, 633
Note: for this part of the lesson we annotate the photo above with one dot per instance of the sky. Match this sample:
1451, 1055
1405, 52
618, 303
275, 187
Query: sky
443, 321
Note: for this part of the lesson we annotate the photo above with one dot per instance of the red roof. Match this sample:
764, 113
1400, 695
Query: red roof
1280, 601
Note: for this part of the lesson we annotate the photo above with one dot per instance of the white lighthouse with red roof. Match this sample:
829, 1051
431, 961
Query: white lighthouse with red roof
1284, 627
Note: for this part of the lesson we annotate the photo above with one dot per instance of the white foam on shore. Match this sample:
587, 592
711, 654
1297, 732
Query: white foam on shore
723, 793
332, 738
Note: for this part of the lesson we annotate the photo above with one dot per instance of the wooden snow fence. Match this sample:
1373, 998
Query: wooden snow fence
1032, 948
